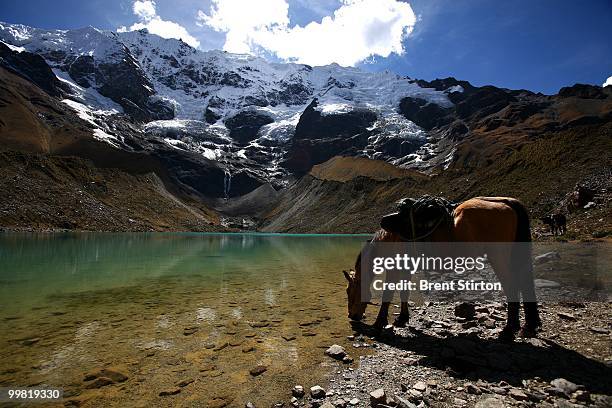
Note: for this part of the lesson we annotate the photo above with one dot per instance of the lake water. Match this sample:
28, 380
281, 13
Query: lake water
163, 308
202, 309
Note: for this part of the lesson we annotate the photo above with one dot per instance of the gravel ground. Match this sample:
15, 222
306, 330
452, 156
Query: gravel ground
446, 361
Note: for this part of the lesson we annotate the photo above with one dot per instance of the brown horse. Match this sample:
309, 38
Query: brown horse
477, 220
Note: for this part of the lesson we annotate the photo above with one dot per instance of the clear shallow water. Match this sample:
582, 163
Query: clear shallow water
168, 307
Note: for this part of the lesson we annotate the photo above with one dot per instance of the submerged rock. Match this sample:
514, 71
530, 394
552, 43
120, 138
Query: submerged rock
260, 369
169, 391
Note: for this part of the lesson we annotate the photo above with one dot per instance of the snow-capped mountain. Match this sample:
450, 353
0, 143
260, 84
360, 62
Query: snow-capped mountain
238, 110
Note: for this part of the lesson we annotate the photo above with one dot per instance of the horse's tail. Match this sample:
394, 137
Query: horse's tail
523, 227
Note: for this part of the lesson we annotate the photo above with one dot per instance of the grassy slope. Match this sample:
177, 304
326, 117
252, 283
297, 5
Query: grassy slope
49, 192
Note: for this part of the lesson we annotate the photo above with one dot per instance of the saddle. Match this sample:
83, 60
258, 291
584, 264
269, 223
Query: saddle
425, 214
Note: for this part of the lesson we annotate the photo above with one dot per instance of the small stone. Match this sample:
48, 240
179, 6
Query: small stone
188, 331
547, 257
490, 402
170, 391
472, 389
518, 394
499, 390
249, 405
599, 330
298, 391
341, 403
327, 404
459, 402
415, 395
260, 369
185, 382
347, 360
221, 346
582, 396
288, 337
29, 342
402, 403
336, 352
379, 371
99, 383
567, 316
354, 401
378, 397
564, 385
420, 386
317, 392
535, 396
248, 348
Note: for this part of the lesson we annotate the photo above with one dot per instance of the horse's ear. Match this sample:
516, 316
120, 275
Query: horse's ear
347, 275
391, 222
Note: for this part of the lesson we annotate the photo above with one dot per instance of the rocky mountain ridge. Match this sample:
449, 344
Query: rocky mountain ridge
242, 134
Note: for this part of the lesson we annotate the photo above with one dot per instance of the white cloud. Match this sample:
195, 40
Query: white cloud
147, 14
608, 82
357, 30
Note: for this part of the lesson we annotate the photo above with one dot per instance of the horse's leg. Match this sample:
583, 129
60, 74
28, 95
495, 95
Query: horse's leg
404, 316
383, 316
527, 288
502, 265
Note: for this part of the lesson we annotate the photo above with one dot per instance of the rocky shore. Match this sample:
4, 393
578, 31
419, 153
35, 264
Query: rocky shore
445, 360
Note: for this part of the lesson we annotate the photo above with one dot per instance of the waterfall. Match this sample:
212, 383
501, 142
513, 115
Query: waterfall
227, 183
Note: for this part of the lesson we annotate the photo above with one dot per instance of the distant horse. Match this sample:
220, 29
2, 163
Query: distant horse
480, 219
557, 223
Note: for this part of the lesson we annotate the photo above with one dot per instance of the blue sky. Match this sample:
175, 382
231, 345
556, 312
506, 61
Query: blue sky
537, 45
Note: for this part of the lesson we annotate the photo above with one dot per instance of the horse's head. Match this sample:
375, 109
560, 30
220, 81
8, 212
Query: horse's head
356, 308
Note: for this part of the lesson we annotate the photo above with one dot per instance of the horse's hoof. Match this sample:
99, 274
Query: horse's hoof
380, 325
528, 332
400, 322
507, 335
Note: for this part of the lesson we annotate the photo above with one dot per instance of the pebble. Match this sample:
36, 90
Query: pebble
29, 342
547, 257
564, 385
341, 403
298, 391
99, 383
420, 386
518, 394
188, 331
490, 402
473, 389
185, 382
260, 369
354, 401
114, 375
378, 397
170, 391
336, 352
317, 392
566, 316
